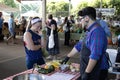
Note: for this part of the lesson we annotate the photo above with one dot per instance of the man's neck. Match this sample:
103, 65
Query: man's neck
90, 23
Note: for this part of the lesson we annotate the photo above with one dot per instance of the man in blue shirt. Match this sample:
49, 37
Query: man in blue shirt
11, 27
93, 61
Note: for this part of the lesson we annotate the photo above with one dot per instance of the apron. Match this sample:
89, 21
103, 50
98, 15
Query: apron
84, 58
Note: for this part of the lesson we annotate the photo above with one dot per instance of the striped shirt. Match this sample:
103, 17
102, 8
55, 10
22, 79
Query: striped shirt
96, 41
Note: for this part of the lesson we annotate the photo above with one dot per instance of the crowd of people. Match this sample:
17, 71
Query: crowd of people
94, 64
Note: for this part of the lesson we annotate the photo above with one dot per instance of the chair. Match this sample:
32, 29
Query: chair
112, 55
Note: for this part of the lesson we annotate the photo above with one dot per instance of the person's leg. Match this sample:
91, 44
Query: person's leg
65, 40
12, 33
8, 39
0, 31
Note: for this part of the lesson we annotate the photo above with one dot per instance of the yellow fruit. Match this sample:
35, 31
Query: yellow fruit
55, 63
46, 67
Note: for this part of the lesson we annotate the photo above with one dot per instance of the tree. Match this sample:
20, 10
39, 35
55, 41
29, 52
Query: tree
96, 3
9, 3
58, 8
116, 4
79, 7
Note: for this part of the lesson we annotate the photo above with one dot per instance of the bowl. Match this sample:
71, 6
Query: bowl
64, 67
29, 77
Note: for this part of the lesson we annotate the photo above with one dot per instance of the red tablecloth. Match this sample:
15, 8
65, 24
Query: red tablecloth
76, 74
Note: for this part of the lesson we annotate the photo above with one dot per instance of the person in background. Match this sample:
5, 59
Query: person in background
104, 25
11, 26
72, 22
66, 29
51, 24
33, 43
23, 24
59, 22
1, 23
93, 61
1, 27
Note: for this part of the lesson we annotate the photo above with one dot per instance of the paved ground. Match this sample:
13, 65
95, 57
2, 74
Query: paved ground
12, 57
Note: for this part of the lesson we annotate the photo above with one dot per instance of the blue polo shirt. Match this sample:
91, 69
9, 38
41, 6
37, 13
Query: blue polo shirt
96, 42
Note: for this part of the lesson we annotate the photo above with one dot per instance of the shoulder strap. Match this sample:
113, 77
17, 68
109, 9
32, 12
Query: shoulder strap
108, 58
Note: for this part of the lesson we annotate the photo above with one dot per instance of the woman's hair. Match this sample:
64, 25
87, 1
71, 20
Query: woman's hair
32, 22
50, 16
65, 20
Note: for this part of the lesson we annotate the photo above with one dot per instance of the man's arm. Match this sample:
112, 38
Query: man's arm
75, 50
91, 65
72, 52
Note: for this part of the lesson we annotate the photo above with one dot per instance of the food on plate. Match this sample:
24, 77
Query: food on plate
55, 63
74, 67
64, 67
44, 70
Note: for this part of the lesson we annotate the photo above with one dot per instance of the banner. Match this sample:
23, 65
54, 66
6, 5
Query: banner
106, 11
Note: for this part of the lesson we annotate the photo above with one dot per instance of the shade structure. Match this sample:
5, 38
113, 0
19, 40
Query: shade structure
27, 0
31, 14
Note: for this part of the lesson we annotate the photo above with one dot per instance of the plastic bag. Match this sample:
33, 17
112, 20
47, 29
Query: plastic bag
51, 40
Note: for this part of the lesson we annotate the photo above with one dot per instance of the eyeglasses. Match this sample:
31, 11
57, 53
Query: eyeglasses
80, 18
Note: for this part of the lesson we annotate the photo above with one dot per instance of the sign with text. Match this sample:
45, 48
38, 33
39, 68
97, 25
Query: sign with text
106, 11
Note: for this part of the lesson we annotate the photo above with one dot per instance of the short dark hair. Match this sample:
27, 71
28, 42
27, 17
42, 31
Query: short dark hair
90, 11
50, 16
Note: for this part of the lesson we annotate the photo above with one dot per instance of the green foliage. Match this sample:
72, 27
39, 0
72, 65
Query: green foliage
9, 3
116, 4
58, 8
96, 4
79, 7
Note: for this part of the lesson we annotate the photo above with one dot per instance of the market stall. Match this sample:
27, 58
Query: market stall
73, 36
55, 75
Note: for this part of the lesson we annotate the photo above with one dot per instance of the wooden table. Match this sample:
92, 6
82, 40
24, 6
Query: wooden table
76, 75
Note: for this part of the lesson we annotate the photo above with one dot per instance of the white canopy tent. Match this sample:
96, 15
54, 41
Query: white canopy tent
5, 13
31, 14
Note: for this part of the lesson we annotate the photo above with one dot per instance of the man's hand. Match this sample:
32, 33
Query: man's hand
65, 60
85, 76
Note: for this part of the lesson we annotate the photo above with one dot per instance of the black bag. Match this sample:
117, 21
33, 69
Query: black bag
108, 59
118, 61
118, 55
118, 52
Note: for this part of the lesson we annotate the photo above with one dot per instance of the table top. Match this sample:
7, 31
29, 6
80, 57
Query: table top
75, 75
